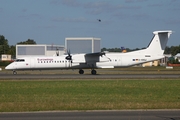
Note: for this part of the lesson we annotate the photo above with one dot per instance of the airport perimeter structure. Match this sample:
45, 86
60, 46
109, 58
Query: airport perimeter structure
83, 44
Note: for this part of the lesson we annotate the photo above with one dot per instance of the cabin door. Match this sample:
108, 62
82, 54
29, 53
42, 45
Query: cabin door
32, 63
119, 61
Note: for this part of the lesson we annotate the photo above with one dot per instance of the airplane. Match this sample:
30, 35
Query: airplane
154, 51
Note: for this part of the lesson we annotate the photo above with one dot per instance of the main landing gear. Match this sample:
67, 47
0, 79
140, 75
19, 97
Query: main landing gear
93, 72
81, 71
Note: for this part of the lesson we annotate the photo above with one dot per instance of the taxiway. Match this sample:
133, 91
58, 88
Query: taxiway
95, 115
89, 76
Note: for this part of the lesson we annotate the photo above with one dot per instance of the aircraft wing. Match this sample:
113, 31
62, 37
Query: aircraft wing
95, 57
90, 58
94, 54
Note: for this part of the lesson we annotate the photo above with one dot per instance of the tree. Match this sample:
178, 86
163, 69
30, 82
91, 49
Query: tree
29, 41
4, 46
167, 50
174, 50
12, 51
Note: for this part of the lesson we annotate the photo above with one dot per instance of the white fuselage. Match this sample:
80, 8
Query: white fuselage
110, 60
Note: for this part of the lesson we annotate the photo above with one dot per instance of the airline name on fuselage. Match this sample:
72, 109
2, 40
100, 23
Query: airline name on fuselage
44, 59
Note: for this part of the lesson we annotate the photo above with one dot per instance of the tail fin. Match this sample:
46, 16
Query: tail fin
158, 43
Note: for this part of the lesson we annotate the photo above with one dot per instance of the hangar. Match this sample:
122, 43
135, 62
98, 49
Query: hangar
83, 45
39, 50
75, 45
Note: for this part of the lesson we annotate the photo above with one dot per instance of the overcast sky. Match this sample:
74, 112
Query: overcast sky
127, 23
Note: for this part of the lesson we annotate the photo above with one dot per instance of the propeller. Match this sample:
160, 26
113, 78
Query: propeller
69, 58
57, 51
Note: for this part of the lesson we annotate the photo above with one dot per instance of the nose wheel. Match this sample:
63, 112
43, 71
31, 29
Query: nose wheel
14, 72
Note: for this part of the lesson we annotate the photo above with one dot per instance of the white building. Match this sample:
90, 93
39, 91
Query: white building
83, 45
177, 56
39, 50
5, 57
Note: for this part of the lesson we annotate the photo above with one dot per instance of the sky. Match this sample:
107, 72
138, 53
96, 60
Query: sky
124, 23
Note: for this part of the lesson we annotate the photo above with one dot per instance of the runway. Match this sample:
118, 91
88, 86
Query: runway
118, 73
88, 76
95, 115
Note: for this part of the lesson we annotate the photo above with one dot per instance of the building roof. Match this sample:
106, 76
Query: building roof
177, 55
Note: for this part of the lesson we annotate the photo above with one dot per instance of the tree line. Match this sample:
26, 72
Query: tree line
173, 50
5, 48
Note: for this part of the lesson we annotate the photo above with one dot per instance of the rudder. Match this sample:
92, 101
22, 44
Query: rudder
158, 43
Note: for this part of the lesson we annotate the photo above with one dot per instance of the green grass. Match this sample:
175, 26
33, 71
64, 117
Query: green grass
38, 95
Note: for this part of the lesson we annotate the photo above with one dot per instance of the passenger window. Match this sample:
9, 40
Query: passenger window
22, 60
19, 60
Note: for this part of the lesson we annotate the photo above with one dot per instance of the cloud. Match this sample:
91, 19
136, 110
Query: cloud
99, 7
140, 16
107, 7
133, 1
31, 16
47, 26
130, 7
155, 5
24, 10
173, 22
70, 3
65, 19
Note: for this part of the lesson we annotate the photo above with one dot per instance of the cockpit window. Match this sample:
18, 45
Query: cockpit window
19, 60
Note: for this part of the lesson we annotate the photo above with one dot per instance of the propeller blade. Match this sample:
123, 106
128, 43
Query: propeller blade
69, 57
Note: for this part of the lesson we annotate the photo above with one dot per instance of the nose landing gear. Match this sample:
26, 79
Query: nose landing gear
14, 72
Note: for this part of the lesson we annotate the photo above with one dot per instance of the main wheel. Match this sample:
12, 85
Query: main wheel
81, 71
93, 72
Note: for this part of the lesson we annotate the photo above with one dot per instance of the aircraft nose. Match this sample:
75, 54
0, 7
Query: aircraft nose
9, 67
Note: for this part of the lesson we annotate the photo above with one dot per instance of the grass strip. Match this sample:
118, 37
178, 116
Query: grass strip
31, 95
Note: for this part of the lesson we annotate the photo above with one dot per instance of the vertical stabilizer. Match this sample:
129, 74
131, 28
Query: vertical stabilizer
158, 43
